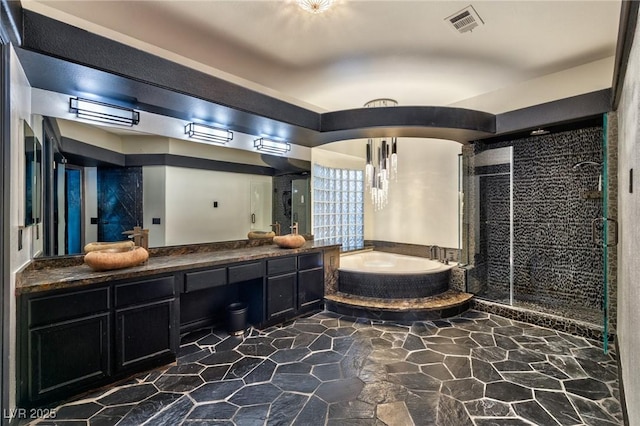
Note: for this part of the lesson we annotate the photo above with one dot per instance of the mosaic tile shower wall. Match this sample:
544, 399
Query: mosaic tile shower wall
556, 264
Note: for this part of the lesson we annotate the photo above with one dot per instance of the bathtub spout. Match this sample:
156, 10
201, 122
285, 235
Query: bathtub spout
434, 253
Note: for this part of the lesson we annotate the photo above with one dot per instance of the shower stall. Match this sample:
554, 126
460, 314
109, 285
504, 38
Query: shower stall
535, 228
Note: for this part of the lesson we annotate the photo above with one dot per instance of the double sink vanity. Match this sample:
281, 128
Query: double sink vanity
79, 329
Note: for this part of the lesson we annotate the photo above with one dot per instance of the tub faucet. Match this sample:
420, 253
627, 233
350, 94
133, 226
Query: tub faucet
276, 228
442, 255
434, 253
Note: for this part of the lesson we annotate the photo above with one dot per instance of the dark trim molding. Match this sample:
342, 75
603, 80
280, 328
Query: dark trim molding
51, 145
195, 163
87, 155
84, 154
5, 228
626, 33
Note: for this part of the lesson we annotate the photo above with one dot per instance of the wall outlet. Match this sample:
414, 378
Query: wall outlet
155, 221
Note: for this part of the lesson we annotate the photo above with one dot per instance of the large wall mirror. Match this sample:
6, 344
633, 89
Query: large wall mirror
108, 180
33, 177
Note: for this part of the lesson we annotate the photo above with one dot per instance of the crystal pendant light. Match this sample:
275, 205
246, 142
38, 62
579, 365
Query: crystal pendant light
382, 161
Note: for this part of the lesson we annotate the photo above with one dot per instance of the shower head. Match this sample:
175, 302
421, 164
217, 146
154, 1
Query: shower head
586, 163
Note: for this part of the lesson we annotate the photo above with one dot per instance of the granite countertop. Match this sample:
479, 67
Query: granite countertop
73, 272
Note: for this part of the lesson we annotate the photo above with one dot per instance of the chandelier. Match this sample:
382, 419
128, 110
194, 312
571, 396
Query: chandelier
315, 6
382, 161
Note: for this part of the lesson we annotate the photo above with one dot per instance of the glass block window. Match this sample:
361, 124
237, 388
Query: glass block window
338, 207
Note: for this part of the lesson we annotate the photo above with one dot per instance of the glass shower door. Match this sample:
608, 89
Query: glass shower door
487, 227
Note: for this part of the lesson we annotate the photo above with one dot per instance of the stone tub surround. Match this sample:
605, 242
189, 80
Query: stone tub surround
443, 305
417, 250
457, 277
475, 369
54, 273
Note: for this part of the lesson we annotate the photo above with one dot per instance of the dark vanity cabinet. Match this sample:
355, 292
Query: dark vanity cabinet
76, 339
281, 288
310, 281
146, 330
295, 285
66, 342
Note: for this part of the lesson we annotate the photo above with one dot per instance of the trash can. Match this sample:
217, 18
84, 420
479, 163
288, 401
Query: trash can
237, 318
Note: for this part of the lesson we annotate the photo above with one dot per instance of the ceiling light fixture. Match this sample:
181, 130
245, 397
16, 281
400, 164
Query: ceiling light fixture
382, 161
315, 6
103, 113
208, 134
271, 146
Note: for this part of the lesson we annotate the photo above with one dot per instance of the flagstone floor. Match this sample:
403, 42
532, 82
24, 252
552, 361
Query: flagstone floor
326, 369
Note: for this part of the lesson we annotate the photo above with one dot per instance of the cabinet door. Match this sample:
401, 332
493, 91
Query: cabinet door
310, 287
145, 334
68, 357
281, 295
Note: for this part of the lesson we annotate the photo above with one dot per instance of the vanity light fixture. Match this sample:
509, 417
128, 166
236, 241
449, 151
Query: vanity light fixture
271, 146
208, 134
103, 113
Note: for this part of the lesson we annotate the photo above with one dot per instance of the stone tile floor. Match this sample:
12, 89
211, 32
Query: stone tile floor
474, 369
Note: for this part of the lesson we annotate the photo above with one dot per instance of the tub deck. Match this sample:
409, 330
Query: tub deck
443, 305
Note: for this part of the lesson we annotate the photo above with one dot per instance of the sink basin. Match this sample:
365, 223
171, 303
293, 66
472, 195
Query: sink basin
116, 258
289, 241
261, 235
128, 244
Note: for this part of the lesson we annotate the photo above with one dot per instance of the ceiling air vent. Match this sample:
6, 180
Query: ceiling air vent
465, 20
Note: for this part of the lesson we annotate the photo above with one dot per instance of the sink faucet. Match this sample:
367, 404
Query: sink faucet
140, 236
294, 228
276, 227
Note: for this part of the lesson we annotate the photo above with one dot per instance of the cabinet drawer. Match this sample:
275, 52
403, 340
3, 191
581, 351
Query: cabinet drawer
248, 271
194, 281
61, 307
281, 266
310, 261
144, 291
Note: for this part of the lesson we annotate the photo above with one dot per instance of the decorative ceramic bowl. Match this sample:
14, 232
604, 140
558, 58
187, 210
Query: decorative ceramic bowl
261, 235
127, 244
116, 258
289, 241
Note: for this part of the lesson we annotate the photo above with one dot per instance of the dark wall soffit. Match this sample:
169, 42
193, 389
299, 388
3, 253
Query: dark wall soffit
87, 155
626, 34
553, 113
74, 61
195, 163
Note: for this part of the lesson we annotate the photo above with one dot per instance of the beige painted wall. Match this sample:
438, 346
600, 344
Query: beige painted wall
423, 203
629, 245
190, 215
